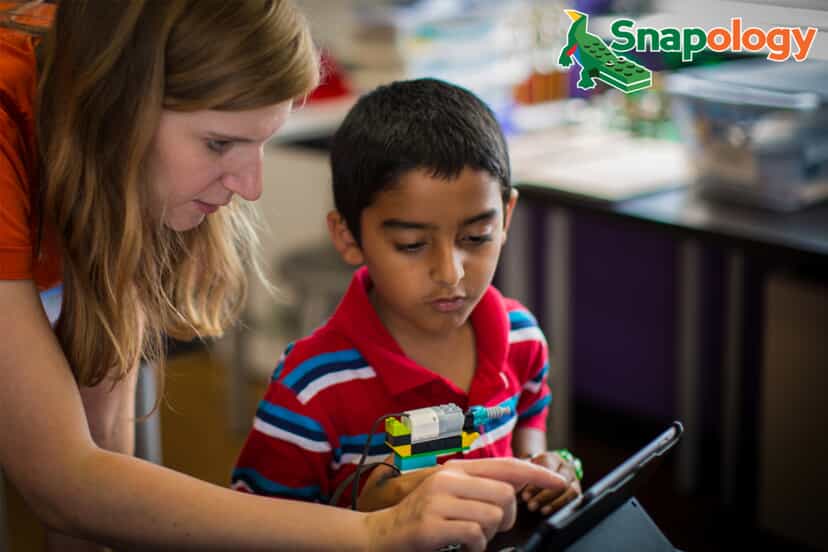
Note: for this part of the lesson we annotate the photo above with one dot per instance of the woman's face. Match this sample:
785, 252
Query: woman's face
201, 158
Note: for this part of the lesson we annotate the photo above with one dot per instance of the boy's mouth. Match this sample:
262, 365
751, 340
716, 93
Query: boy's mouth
448, 304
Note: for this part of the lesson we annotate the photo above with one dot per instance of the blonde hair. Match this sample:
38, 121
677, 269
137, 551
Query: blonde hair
108, 69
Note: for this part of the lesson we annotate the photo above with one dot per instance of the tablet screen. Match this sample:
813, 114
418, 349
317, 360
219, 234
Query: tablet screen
576, 518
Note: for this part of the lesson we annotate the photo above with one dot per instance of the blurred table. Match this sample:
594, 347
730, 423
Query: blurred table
791, 239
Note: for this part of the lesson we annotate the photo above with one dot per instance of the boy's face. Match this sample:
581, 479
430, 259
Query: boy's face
431, 247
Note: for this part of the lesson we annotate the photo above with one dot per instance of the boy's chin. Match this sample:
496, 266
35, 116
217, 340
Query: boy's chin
447, 322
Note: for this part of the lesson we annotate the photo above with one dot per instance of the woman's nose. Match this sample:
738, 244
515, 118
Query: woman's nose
246, 180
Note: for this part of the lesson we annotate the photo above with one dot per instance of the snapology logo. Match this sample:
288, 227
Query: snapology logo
602, 62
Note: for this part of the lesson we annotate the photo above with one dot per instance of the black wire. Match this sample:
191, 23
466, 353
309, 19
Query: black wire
341, 488
358, 471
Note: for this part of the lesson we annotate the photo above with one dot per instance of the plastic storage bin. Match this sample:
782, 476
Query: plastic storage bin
757, 131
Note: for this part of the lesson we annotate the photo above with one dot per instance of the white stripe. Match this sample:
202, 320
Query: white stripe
241, 485
279, 433
353, 458
495, 435
334, 378
532, 333
533, 386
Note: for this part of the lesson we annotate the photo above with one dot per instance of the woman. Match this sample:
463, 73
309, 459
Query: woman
150, 121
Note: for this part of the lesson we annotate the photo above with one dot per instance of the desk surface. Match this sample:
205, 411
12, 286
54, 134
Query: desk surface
803, 234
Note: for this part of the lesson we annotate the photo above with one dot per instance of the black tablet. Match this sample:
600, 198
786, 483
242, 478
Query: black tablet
579, 516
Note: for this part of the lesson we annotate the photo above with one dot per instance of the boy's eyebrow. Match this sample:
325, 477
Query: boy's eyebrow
485, 215
411, 225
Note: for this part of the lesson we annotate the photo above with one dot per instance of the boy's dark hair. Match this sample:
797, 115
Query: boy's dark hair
407, 125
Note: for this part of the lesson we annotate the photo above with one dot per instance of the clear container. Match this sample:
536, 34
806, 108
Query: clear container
757, 130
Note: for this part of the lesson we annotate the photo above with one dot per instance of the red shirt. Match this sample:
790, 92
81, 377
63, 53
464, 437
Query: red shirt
329, 388
19, 167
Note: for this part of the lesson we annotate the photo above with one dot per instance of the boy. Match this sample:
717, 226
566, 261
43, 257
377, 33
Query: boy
423, 198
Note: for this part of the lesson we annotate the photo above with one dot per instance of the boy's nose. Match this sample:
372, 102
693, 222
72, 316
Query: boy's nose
246, 180
448, 266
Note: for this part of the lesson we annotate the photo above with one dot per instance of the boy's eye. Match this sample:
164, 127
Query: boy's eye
412, 247
477, 239
218, 146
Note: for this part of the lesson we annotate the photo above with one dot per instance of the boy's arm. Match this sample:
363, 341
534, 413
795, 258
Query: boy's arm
529, 438
528, 442
531, 361
384, 488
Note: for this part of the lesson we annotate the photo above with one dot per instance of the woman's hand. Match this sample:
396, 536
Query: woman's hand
385, 487
464, 502
548, 500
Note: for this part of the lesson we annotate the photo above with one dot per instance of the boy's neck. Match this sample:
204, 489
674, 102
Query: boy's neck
452, 354
454, 357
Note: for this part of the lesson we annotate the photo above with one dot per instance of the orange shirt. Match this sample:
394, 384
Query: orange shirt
19, 169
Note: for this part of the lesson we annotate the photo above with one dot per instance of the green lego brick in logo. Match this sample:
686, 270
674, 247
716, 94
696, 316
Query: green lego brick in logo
598, 61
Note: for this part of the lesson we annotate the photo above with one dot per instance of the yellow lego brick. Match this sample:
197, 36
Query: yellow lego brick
403, 450
469, 438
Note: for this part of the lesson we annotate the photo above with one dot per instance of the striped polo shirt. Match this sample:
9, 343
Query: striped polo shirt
328, 389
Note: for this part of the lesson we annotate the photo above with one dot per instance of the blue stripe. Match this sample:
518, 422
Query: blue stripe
281, 366
325, 370
291, 422
321, 365
542, 374
536, 408
521, 319
355, 443
261, 485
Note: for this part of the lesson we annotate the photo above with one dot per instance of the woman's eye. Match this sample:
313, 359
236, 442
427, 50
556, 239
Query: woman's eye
218, 146
409, 247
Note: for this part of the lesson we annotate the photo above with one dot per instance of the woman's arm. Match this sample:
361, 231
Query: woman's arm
77, 488
110, 415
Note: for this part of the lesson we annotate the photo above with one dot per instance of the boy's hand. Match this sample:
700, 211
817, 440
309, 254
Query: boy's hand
384, 488
550, 500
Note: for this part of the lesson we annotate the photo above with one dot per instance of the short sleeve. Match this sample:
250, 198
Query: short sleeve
15, 209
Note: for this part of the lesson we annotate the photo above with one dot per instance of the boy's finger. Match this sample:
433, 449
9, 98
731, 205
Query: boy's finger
560, 501
567, 472
528, 492
543, 498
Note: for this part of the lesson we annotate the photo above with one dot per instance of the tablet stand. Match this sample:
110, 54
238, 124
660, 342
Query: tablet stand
628, 528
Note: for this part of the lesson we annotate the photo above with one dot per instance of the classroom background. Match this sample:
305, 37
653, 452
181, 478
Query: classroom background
673, 243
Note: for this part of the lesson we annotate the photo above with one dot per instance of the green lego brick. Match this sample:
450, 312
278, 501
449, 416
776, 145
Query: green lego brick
625, 74
395, 428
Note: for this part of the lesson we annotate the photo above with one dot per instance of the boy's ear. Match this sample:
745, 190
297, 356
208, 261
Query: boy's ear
343, 240
509, 210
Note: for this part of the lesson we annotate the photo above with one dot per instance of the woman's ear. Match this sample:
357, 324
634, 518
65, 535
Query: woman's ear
343, 240
509, 209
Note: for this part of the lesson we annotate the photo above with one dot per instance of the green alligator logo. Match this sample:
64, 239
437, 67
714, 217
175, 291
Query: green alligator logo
597, 61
